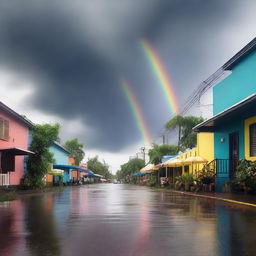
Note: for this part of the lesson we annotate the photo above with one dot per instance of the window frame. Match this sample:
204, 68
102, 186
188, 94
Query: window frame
4, 129
251, 137
247, 140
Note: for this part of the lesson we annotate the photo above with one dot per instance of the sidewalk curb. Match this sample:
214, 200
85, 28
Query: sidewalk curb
217, 198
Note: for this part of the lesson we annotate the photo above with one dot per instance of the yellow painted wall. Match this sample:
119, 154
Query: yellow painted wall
247, 123
204, 148
205, 145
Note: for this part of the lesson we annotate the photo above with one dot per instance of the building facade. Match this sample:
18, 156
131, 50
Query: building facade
61, 156
14, 139
234, 120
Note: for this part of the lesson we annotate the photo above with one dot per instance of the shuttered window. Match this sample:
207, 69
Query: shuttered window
4, 129
252, 128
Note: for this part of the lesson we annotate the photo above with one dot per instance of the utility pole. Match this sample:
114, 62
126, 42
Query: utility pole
163, 136
143, 152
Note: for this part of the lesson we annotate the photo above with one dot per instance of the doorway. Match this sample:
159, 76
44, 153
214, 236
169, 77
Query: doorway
233, 153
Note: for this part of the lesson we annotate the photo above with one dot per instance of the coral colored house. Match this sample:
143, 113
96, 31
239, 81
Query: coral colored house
14, 139
75, 172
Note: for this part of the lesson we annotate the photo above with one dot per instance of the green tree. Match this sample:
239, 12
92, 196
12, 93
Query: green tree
132, 166
38, 163
186, 136
176, 122
158, 151
102, 168
76, 150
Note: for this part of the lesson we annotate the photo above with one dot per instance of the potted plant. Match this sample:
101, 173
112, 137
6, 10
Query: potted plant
189, 181
206, 178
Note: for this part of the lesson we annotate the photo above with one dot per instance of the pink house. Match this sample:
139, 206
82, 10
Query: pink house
14, 138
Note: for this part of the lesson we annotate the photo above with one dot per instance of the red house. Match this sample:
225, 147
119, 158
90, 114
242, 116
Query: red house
14, 139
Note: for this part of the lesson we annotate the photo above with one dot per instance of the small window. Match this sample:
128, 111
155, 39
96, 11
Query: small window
4, 129
186, 168
252, 129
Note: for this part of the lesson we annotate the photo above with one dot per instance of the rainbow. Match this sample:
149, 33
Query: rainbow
159, 70
136, 110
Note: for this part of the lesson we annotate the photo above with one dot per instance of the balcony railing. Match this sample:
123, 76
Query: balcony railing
223, 167
4, 179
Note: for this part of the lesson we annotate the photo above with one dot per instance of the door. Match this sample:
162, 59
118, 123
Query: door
233, 152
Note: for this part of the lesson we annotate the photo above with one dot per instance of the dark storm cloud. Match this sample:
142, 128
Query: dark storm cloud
76, 52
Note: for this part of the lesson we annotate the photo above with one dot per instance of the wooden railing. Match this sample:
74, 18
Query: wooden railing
4, 179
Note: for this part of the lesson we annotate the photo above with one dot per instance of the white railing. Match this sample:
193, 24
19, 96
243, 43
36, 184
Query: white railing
4, 179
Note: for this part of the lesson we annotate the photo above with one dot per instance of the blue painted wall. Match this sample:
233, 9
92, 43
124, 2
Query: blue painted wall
61, 157
237, 86
221, 149
240, 84
236, 124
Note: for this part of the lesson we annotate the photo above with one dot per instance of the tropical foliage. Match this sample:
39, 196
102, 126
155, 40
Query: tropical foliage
246, 175
152, 181
76, 150
38, 163
206, 176
132, 166
99, 167
158, 151
186, 136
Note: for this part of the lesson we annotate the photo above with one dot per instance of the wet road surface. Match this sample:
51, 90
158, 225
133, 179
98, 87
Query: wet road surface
124, 220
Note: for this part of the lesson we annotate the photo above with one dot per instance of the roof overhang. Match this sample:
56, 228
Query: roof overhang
16, 151
65, 166
19, 117
229, 65
236, 110
73, 167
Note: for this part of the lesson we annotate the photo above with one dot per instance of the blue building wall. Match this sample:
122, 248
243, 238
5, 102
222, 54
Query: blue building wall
61, 157
240, 84
221, 148
237, 86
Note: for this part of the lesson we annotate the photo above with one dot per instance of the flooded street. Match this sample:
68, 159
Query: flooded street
124, 220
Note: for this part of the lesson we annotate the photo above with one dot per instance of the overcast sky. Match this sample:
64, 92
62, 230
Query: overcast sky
61, 61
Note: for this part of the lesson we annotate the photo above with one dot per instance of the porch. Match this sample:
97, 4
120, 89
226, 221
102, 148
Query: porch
224, 169
7, 163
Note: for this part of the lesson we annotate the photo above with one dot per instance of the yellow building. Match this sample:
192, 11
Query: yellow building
204, 150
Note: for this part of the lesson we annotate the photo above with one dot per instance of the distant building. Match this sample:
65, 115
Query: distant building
61, 156
14, 139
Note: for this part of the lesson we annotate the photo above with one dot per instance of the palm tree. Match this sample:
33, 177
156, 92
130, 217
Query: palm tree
186, 136
175, 122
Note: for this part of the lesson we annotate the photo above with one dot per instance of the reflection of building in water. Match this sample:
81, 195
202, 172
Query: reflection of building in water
79, 202
236, 231
11, 215
42, 236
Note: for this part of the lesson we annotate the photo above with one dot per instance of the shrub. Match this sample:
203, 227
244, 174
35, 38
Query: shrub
246, 175
206, 176
152, 181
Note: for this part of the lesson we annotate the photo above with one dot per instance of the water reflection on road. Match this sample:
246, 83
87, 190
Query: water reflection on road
123, 220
